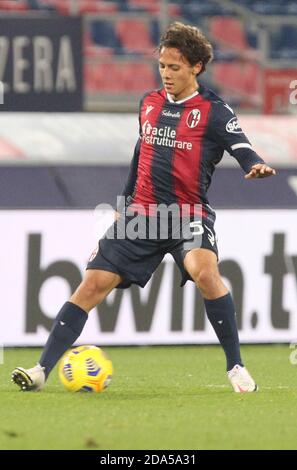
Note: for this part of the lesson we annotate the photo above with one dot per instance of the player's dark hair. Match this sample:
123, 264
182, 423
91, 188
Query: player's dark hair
190, 41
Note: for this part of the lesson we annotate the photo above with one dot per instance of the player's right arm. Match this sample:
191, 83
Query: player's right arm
132, 176
129, 187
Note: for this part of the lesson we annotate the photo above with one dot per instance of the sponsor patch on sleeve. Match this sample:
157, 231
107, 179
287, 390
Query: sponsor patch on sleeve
233, 126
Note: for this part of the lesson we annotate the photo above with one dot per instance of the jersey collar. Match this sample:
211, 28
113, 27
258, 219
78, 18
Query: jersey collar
184, 99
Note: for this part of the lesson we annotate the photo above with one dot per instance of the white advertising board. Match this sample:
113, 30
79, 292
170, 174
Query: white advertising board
43, 256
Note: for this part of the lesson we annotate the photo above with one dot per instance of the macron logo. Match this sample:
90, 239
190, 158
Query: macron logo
148, 109
210, 235
229, 107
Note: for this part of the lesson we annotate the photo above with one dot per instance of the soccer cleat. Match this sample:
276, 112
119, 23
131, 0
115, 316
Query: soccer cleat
29, 379
241, 380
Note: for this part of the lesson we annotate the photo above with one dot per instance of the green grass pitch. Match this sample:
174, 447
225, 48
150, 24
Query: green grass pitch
160, 398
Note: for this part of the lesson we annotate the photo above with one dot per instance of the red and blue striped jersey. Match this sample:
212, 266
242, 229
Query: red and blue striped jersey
179, 145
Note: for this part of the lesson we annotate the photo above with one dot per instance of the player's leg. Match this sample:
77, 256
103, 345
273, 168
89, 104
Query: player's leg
68, 325
95, 287
202, 266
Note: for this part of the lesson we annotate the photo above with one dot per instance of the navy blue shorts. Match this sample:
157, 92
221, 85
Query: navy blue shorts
135, 260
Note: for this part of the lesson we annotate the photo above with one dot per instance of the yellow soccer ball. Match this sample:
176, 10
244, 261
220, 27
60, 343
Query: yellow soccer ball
86, 369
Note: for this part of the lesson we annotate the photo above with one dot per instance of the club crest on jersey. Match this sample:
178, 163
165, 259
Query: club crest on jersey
193, 118
233, 126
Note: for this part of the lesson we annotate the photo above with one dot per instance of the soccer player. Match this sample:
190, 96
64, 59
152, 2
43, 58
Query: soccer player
184, 130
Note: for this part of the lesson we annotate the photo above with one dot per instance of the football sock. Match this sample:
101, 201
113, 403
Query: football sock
66, 329
221, 314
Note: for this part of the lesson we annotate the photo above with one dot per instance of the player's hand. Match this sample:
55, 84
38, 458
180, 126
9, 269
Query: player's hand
116, 215
260, 170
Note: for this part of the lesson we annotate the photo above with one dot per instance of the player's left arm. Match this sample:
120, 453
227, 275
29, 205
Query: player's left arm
231, 137
260, 170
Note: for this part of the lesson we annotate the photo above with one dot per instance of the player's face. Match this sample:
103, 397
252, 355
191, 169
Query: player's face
178, 76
